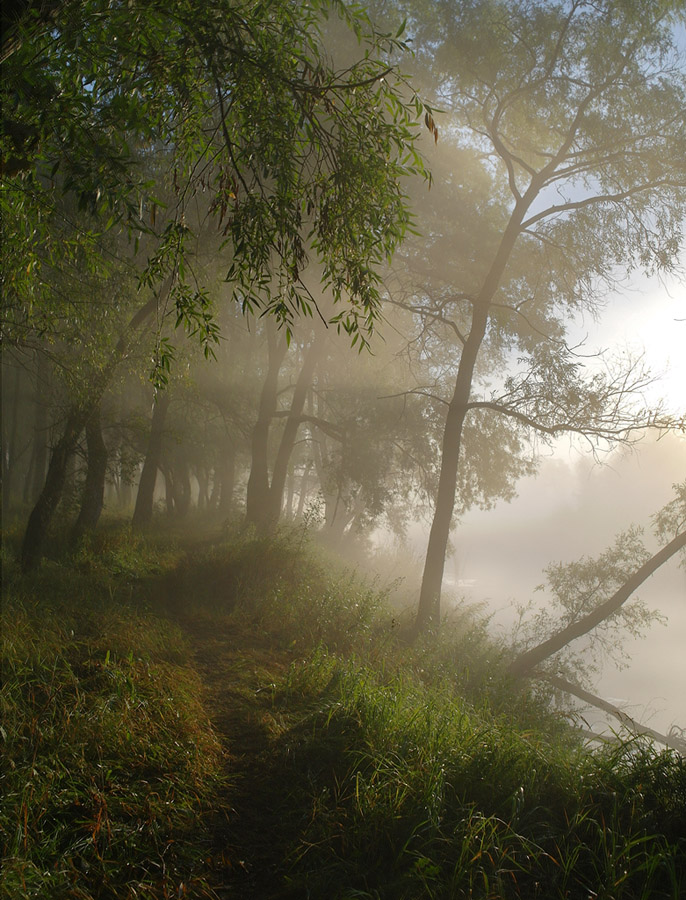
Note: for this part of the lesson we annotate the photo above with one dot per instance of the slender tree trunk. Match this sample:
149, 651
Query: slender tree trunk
168, 489
142, 514
304, 485
525, 662
35, 476
42, 513
429, 609
227, 475
290, 431
257, 499
290, 493
94, 488
182, 487
203, 477
9, 448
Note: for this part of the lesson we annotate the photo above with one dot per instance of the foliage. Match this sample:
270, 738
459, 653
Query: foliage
297, 157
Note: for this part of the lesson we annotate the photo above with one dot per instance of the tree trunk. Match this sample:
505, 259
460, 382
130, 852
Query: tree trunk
525, 662
257, 499
203, 477
429, 610
9, 446
182, 486
42, 513
142, 514
168, 489
290, 493
227, 476
290, 432
94, 488
35, 477
304, 485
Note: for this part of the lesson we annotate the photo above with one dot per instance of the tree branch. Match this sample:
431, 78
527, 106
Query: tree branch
526, 661
596, 199
631, 724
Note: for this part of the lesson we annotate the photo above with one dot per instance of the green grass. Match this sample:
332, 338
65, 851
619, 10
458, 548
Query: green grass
414, 793
109, 754
368, 769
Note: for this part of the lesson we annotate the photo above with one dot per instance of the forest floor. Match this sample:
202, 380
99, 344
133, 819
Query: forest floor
250, 834
243, 721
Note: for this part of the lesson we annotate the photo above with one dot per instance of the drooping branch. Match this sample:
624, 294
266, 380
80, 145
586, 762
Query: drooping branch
627, 721
528, 660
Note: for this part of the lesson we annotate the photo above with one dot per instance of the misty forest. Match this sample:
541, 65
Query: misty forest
343, 449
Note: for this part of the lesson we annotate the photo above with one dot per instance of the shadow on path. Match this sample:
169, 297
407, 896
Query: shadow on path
254, 833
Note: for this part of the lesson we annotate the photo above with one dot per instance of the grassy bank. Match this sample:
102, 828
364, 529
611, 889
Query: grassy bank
244, 719
109, 753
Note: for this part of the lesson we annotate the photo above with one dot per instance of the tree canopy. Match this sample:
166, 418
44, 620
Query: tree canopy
570, 117
293, 155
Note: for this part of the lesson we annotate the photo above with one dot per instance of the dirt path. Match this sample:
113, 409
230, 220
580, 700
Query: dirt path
251, 838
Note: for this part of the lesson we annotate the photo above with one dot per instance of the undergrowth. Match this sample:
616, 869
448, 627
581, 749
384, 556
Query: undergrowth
415, 794
109, 754
402, 771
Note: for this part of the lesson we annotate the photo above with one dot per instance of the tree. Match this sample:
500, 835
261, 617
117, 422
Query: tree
590, 599
594, 592
299, 158
113, 110
573, 112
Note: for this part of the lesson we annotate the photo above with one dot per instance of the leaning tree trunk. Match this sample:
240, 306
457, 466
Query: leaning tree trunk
142, 514
94, 488
50, 496
526, 661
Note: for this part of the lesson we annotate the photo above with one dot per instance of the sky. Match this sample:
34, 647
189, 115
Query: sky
650, 315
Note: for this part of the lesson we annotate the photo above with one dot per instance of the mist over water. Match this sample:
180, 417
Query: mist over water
574, 508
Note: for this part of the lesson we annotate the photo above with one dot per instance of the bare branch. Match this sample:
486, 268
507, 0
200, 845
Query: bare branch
627, 721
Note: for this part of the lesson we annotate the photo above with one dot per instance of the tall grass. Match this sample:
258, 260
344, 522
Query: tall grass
109, 755
415, 794
400, 771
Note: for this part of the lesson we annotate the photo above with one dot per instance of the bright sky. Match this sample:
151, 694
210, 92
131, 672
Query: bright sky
650, 316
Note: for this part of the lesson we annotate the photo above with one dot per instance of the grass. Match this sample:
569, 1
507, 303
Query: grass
109, 752
415, 794
341, 762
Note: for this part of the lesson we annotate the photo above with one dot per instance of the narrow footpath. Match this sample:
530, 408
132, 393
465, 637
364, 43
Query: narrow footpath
251, 833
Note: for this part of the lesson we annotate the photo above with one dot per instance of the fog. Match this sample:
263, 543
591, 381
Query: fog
575, 508
501, 238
